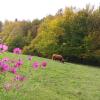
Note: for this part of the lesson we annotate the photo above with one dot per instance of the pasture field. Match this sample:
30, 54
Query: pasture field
56, 82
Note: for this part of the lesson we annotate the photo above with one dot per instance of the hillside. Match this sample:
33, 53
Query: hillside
57, 82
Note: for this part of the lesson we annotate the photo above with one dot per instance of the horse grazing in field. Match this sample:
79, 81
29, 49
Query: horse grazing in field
58, 57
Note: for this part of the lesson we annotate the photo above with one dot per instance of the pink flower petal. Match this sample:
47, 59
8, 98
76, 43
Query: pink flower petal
35, 65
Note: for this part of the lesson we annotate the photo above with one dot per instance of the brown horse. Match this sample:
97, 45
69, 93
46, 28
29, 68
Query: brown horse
58, 57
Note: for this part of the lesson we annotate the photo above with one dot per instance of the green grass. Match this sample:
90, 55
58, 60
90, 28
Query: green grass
57, 82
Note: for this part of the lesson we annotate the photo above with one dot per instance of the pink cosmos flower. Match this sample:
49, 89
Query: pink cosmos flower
35, 65
18, 63
13, 70
17, 50
29, 57
19, 78
6, 59
3, 48
44, 64
5, 67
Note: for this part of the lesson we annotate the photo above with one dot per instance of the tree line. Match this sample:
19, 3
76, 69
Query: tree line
73, 33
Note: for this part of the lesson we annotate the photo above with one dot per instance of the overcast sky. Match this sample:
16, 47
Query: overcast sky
31, 9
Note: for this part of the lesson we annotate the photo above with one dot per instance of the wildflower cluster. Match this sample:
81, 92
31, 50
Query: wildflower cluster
13, 65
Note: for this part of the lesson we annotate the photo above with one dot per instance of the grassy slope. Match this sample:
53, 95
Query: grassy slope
57, 82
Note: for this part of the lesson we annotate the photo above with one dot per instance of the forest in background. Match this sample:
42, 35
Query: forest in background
73, 33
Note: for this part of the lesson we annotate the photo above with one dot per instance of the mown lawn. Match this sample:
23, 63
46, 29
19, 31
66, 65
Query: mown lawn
57, 82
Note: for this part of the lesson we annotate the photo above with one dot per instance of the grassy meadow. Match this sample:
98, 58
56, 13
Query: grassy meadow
57, 82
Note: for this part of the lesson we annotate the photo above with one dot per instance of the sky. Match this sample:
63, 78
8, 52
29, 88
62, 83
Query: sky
31, 9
